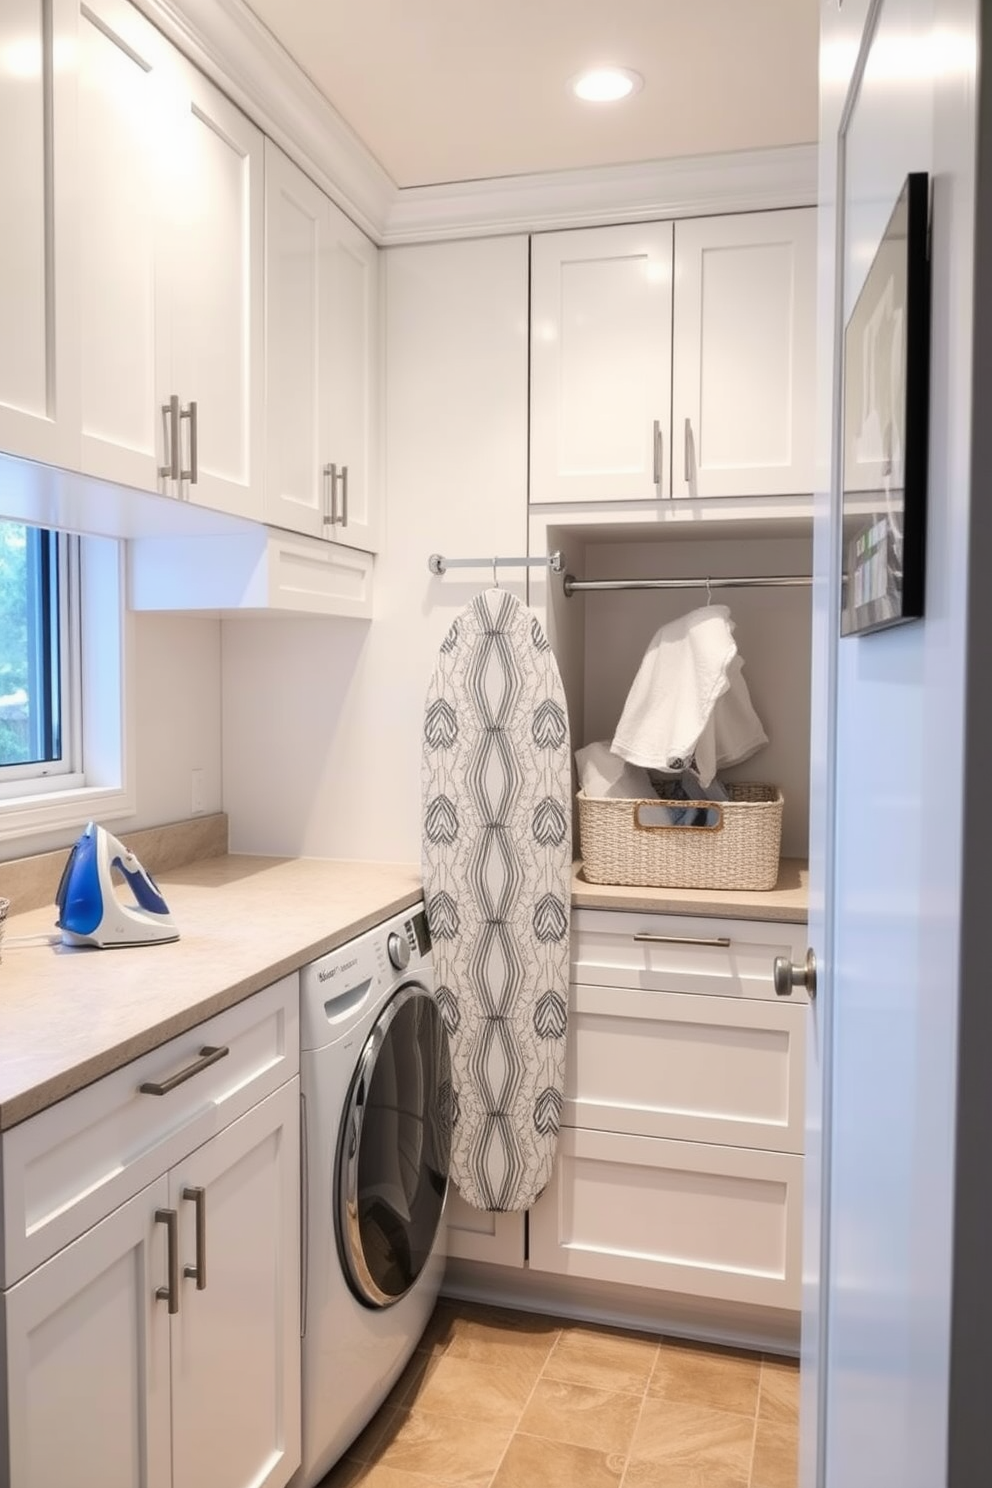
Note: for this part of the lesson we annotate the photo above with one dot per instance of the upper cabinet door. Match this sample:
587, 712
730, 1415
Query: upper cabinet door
349, 379
743, 380
296, 491
216, 232
127, 129
601, 354
39, 402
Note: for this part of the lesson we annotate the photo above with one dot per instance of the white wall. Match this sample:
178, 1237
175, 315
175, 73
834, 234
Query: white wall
322, 719
173, 720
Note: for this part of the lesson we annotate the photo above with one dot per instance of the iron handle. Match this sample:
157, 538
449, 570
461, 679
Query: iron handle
198, 1273
170, 422
721, 941
207, 1056
170, 1293
344, 495
786, 975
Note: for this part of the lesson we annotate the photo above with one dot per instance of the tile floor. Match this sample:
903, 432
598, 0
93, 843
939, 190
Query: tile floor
501, 1399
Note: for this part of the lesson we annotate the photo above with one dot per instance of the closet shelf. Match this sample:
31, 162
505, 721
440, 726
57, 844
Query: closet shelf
788, 902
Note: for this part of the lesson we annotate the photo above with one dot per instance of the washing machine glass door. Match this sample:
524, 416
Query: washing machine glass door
394, 1150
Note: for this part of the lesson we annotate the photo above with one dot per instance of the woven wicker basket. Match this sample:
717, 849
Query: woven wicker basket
621, 844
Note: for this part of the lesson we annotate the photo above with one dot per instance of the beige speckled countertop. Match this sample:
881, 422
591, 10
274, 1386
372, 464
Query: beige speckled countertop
68, 1016
788, 901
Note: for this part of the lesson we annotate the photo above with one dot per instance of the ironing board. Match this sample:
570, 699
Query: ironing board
497, 876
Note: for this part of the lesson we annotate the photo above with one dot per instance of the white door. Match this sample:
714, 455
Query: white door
127, 129
601, 364
886, 865
236, 1338
39, 400
743, 386
87, 1366
216, 246
348, 383
296, 493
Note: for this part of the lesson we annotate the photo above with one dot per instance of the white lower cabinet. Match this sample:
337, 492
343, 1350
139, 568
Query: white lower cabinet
160, 1348
680, 1159
475, 1235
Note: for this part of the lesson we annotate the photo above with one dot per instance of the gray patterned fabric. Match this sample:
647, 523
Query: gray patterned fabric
497, 874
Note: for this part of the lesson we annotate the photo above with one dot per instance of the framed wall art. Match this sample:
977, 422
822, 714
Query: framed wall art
886, 402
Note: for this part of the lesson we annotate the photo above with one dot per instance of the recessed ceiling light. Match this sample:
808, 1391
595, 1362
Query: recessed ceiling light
606, 84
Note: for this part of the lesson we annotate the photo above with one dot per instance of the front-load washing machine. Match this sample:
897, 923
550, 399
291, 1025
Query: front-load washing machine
376, 1084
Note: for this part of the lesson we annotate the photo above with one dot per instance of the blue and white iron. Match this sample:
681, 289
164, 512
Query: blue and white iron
90, 911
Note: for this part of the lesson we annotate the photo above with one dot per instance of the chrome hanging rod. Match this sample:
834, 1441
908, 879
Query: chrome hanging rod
778, 581
438, 564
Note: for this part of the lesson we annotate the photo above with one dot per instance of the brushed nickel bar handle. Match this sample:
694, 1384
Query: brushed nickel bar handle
721, 941
198, 1273
344, 495
170, 424
331, 472
170, 1293
207, 1056
688, 453
326, 515
659, 445
189, 413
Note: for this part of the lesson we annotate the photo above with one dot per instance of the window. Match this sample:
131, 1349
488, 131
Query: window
35, 685
61, 639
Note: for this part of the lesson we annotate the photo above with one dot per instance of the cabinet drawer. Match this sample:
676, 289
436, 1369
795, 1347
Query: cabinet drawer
671, 1064
67, 1167
676, 953
683, 1217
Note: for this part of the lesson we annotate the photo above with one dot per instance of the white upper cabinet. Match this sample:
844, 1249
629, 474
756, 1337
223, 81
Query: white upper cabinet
127, 122
321, 319
39, 409
743, 381
216, 233
170, 226
601, 364
662, 371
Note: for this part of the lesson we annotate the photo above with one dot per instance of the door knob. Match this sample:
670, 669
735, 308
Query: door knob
786, 975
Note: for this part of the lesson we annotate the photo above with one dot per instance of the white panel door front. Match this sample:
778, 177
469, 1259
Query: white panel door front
349, 360
743, 376
236, 1339
87, 1368
39, 396
216, 248
295, 487
127, 130
601, 364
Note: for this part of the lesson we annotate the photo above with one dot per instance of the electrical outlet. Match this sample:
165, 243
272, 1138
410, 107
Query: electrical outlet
197, 804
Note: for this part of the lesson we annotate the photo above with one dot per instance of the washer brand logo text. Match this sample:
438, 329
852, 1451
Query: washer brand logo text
325, 976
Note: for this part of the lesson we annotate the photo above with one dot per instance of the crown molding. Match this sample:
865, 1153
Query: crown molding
696, 186
227, 42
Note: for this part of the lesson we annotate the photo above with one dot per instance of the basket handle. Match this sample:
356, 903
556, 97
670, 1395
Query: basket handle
643, 809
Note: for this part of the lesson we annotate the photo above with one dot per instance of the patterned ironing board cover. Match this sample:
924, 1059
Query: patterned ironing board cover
497, 845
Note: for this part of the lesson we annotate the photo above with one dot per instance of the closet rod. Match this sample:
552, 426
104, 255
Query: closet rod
438, 564
782, 581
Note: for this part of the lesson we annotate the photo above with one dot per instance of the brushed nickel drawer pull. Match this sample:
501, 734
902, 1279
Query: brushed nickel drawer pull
722, 941
198, 1273
170, 1293
208, 1055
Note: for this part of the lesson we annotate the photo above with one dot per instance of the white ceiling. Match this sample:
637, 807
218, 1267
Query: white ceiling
459, 90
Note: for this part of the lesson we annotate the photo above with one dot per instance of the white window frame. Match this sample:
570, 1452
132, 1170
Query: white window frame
98, 784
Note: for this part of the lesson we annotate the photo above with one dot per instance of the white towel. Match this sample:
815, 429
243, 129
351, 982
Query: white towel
604, 775
689, 700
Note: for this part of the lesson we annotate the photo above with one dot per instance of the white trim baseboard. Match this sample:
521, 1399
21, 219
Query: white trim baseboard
227, 41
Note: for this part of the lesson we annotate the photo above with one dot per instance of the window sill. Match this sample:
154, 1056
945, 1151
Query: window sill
28, 816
